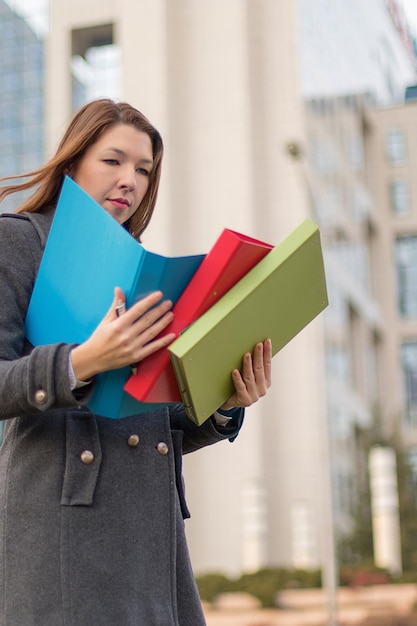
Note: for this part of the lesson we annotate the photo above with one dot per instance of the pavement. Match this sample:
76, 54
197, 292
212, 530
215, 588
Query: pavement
310, 607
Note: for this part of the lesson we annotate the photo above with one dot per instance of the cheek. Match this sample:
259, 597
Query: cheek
142, 188
131, 213
83, 178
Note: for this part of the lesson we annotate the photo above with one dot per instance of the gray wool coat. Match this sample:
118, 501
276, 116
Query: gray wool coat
91, 509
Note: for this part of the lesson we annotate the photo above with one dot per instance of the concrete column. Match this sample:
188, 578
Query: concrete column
385, 509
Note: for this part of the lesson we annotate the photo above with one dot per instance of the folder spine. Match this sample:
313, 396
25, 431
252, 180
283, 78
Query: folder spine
182, 387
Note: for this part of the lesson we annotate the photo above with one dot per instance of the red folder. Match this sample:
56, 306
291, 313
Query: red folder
231, 257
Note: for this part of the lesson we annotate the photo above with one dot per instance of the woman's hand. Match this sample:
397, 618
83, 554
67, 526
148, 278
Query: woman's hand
254, 380
121, 341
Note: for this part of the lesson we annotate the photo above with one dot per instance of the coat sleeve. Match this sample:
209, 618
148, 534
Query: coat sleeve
36, 379
196, 437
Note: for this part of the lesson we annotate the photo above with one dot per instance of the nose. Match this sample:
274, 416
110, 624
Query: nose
128, 178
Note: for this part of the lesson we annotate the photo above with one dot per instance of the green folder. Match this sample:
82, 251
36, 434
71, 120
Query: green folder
276, 299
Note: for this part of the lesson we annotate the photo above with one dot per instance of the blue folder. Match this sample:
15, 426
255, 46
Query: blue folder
88, 254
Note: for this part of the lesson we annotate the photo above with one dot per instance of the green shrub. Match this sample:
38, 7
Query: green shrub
263, 584
406, 577
211, 585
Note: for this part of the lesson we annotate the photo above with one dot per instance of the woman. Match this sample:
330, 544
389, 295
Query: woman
91, 509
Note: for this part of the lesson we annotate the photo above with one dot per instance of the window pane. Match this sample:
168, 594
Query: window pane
355, 152
323, 156
406, 270
395, 145
409, 372
98, 75
399, 197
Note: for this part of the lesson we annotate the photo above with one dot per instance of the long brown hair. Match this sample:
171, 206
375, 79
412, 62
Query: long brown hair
85, 128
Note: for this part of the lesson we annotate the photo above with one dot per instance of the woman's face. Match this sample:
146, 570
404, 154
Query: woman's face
114, 171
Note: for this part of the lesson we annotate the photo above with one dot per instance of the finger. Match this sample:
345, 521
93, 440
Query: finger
154, 320
259, 369
147, 328
241, 397
248, 376
143, 305
268, 361
258, 361
118, 297
255, 377
153, 346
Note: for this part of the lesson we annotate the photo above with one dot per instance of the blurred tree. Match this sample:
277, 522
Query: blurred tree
357, 548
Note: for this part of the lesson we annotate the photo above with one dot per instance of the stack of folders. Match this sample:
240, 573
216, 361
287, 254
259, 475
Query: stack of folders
231, 257
241, 292
276, 299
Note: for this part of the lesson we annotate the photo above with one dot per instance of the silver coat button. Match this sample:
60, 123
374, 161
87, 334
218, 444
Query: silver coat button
41, 397
162, 447
133, 441
87, 457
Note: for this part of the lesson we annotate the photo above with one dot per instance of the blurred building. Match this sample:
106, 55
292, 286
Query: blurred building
360, 166
336, 172
393, 162
268, 112
21, 103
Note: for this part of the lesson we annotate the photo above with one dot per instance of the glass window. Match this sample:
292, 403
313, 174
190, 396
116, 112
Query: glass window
361, 202
22, 87
336, 313
96, 65
406, 272
399, 197
396, 146
356, 152
105, 62
323, 156
337, 363
409, 374
9, 164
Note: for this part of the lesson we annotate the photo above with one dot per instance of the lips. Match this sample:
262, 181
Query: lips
119, 203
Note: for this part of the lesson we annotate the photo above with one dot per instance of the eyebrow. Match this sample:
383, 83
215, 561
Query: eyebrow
123, 153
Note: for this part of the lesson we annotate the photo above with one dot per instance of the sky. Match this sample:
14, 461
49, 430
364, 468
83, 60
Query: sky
410, 9
35, 11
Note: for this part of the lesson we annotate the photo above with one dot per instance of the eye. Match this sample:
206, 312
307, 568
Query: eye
143, 171
111, 161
